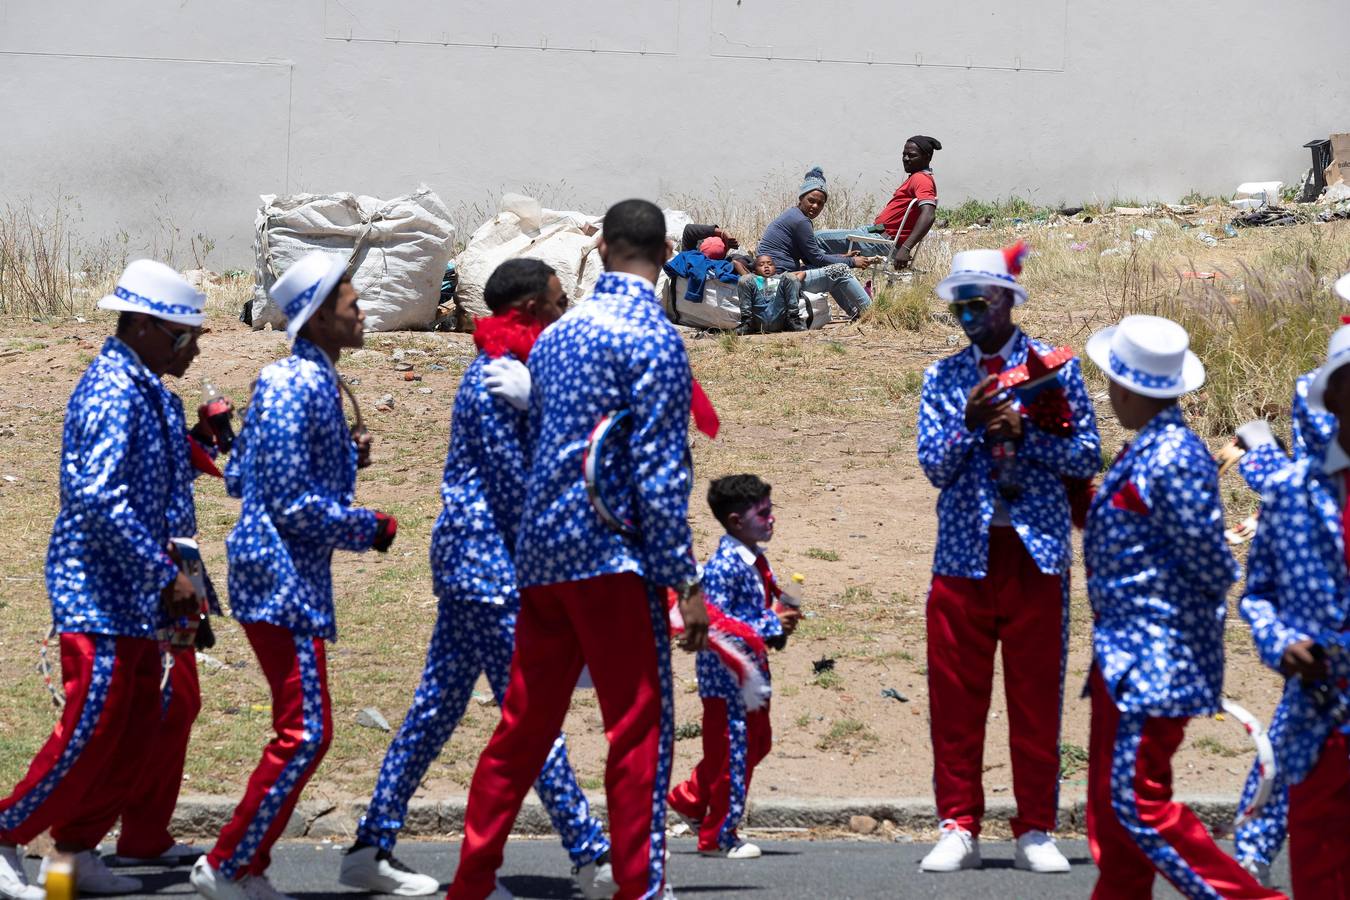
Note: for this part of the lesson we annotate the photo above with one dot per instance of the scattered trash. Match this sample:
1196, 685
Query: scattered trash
1115, 251
680, 829
10, 478
411, 376
1134, 210
1207, 239
1182, 209
1078, 246
370, 717
1247, 204
483, 699
893, 694
424, 390
824, 664
1265, 217
386, 403
1203, 276
830, 487
1070, 210
1336, 193
1263, 192
1144, 234
1229, 230
208, 661
435, 367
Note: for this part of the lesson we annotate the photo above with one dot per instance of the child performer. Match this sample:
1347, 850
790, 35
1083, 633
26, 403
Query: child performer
1001, 567
109, 575
590, 594
294, 464
474, 576
1158, 572
736, 737
1298, 604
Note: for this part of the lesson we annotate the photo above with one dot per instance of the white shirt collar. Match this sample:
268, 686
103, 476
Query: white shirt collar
1005, 351
1335, 459
749, 554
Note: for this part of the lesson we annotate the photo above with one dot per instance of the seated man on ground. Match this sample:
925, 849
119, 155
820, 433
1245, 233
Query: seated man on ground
909, 214
770, 302
791, 243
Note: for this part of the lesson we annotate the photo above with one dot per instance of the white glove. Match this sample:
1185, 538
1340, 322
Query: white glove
508, 379
1255, 434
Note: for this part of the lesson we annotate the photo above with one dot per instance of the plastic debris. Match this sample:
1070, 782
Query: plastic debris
893, 694
824, 664
1145, 234
370, 717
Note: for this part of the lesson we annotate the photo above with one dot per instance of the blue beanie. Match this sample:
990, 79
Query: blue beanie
815, 181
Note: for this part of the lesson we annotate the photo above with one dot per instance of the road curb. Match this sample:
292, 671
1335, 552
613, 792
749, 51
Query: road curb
204, 815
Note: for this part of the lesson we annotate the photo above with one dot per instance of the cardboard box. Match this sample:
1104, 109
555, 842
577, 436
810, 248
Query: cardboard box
1339, 170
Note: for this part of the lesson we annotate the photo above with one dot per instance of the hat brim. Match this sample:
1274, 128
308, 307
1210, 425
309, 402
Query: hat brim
1342, 287
114, 303
337, 267
946, 288
1317, 388
1192, 370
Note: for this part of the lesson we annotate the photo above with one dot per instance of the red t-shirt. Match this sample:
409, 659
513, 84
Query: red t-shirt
903, 209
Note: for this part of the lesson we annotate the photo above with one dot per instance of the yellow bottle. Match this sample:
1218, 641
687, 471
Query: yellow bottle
61, 877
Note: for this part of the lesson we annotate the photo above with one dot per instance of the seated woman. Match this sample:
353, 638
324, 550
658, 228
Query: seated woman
790, 242
908, 215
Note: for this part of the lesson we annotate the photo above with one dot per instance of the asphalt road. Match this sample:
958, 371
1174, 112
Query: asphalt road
836, 870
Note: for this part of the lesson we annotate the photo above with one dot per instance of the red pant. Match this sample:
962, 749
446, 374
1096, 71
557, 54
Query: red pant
607, 624
1134, 828
145, 820
1021, 606
710, 796
1319, 825
77, 783
302, 717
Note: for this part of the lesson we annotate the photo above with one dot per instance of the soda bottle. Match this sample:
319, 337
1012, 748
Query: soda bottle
215, 410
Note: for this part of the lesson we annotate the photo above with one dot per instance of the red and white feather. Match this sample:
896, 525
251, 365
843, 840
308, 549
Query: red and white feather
738, 646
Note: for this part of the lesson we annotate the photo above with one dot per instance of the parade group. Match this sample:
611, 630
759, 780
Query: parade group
563, 553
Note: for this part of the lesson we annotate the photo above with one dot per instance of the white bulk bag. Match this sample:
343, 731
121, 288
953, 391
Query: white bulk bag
720, 309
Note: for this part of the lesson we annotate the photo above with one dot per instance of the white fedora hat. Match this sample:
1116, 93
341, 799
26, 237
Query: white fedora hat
1342, 287
305, 285
157, 290
986, 268
1338, 354
1149, 355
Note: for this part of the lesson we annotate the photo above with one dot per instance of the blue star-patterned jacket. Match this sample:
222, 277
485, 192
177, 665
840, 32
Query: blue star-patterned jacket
733, 584
1309, 431
294, 465
958, 463
183, 507
1158, 572
614, 351
107, 561
482, 494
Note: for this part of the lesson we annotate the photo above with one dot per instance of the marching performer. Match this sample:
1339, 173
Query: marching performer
1158, 572
294, 464
592, 595
737, 733
1001, 567
475, 583
1297, 601
109, 576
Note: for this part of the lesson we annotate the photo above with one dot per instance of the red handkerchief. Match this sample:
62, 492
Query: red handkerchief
1128, 498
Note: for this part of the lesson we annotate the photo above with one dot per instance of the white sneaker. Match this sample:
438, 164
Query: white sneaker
741, 850
257, 887
1036, 852
13, 880
177, 855
379, 872
92, 876
596, 879
213, 885
957, 849
1257, 869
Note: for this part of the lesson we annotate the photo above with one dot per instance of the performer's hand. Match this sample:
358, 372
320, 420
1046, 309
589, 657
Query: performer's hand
1302, 660
364, 441
386, 529
980, 406
695, 615
508, 379
1007, 423
789, 618
902, 256
180, 598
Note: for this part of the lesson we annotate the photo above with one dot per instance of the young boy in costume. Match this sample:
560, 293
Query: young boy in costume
737, 733
294, 464
110, 578
1001, 566
1159, 570
593, 595
1297, 601
474, 576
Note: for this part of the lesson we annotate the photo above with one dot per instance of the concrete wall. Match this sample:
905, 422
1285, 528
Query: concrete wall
184, 111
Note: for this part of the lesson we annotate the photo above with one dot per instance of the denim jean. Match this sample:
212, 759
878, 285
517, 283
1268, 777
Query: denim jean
834, 241
769, 311
843, 287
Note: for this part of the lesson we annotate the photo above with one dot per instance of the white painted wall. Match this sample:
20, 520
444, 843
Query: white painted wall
186, 110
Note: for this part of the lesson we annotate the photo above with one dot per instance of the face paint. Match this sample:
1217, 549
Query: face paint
983, 317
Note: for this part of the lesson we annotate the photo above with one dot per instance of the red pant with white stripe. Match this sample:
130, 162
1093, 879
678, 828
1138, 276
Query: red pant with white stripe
607, 624
712, 795
1134, 827
302, 718
1023, 608
145, 820
1319, 825
78, 782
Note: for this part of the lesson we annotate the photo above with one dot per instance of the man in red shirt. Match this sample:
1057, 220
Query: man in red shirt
909, 214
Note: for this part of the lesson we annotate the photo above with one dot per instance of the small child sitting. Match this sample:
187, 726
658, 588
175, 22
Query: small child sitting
737, 580
769, 302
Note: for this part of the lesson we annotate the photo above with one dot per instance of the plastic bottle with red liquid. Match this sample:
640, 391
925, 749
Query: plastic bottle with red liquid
218, 414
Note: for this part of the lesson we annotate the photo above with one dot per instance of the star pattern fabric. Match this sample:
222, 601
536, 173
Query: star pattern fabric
1158, 573
735, 587
106, 562
614, 351
737, 751
294, 465
959, 462
470, 639
1309, 431
482, 494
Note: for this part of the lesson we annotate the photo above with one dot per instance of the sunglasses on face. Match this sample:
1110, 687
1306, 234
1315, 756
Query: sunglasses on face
975, 305
180, 338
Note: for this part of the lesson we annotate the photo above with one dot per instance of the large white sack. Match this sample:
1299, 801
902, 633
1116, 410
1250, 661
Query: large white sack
398, 248
720, 308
